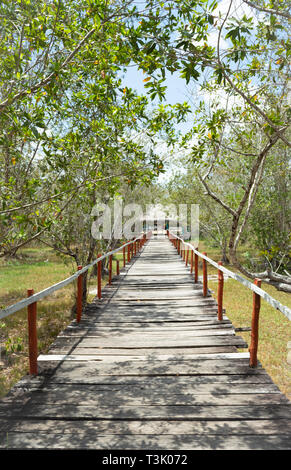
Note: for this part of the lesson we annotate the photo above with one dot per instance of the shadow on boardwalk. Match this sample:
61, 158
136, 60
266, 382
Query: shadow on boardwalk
148, 367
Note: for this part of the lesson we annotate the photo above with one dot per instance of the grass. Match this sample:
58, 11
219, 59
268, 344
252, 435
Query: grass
274, 327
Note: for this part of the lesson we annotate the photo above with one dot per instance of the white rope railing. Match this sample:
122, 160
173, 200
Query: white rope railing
49, 290
275, 303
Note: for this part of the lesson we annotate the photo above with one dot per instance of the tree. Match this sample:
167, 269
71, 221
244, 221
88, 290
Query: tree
231, 152
67, 121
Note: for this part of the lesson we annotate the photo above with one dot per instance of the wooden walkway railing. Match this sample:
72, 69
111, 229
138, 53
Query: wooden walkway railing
183, 249
31, 301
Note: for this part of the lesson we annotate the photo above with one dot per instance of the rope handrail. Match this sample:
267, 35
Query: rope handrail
59, 285
275, 303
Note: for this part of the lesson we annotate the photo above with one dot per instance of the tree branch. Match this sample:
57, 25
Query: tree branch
216, 198
271, 11
241, 93
55, 196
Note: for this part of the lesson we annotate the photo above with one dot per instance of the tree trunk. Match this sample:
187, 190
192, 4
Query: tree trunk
224, 257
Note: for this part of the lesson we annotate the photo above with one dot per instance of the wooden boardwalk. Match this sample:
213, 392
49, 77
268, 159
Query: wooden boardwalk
148, 367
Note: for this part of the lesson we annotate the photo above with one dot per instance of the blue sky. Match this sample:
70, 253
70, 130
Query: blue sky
176, 89
176, 86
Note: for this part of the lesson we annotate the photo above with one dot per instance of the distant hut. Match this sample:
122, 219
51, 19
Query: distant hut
158, 221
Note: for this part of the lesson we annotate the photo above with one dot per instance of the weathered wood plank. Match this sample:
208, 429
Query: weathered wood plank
160, 382
148, 412
128, 442
204, 341
159, 327
163, 302
141, 352
143, 368
220, 428
131, 357
109, 397
152, 334
146, 387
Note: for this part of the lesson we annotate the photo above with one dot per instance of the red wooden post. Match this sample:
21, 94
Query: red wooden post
99, 278
79, 295
255, 326
196, 267
128, 253
192, 260
123, 252
187, 256
32, 335
117, 267
204, 267
110, 270
134, 243
220, 293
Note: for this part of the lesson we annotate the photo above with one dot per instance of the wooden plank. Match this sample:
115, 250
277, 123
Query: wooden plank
152, 334
205, 341
161, 382
137, 397
166, 302
143, 317
146, 387
68, 370
179, 442
110, 399
147, 357
150, 327
109, 320
142, 352
148, 412
218, 428
160, 308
